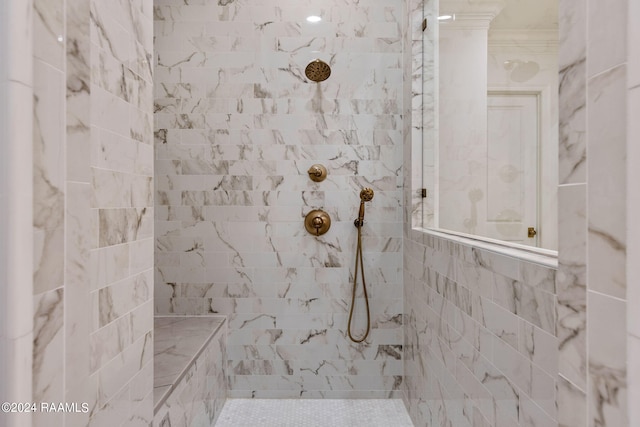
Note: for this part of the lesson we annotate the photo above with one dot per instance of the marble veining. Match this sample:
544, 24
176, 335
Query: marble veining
190, 378
237, 125
480, 343
93, 217
177, 343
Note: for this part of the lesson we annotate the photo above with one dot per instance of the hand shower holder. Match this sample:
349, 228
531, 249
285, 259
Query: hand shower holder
366, 195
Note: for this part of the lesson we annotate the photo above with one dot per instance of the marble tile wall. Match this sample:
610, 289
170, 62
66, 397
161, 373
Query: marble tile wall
596, 336
593, 260
93, 211
237, 126
121, 206
633, 210
16, 206
48, 207
480, 344
199, 394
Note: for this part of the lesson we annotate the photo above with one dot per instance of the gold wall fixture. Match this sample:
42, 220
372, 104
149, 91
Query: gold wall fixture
317, 173
317, 71
317, 222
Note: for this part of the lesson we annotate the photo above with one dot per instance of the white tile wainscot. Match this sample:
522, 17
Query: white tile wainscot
190, 385
480, 346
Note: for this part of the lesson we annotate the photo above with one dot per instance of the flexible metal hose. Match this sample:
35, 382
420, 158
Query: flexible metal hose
359, 263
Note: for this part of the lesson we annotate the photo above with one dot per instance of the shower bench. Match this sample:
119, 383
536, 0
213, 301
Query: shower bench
189, 384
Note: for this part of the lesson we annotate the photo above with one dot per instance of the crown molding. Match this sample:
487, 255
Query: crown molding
540, 41
470, 14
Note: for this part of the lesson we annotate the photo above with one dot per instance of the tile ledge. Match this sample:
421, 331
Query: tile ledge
168, 389
544, 257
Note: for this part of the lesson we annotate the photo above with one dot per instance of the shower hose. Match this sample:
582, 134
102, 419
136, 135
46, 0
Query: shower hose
360, 264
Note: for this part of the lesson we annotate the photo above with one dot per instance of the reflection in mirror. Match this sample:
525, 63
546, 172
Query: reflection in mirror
495, 152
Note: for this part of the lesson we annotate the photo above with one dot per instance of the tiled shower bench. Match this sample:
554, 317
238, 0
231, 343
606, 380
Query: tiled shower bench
189, 386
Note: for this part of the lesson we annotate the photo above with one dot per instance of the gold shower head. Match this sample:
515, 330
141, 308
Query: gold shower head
317, 71
366, 194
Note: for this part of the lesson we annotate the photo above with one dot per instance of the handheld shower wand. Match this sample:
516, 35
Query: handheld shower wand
366, 195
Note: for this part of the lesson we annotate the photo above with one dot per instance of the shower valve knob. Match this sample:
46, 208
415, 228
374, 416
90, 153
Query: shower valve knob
317, 222
317, 173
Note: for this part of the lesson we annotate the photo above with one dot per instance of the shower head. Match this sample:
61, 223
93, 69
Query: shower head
317, 71
366, 194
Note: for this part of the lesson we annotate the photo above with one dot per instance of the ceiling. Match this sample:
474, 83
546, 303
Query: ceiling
527, 14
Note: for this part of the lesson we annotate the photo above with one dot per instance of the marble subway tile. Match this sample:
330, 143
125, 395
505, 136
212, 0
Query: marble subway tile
93, 112
572, 92
49, 22
77, 284
633, 376
121, 297
122, 225
515, 367
531, 414
572, 404
539, 347
117, 374
48, 346
607, 238
607, 343
141, 320
543, 391
497, 354
572, 285
119, 190
116, 410
108, 264
48, 170
606, 49
109, 112
108, 342
537, 307
502, 323
84, 392
141, 256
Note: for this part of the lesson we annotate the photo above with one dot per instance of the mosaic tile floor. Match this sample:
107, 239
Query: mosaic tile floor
313, 413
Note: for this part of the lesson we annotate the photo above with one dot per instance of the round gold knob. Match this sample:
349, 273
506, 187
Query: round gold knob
317, 173
317, 222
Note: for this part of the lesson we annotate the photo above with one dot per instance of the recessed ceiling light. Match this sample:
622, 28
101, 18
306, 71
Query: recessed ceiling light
445, 17
314, 18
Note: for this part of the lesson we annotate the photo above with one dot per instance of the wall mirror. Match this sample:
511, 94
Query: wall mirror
490, 151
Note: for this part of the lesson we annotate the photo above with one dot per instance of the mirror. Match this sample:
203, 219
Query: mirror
492, 153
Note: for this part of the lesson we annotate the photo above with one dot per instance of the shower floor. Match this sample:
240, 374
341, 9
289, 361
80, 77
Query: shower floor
313, 413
